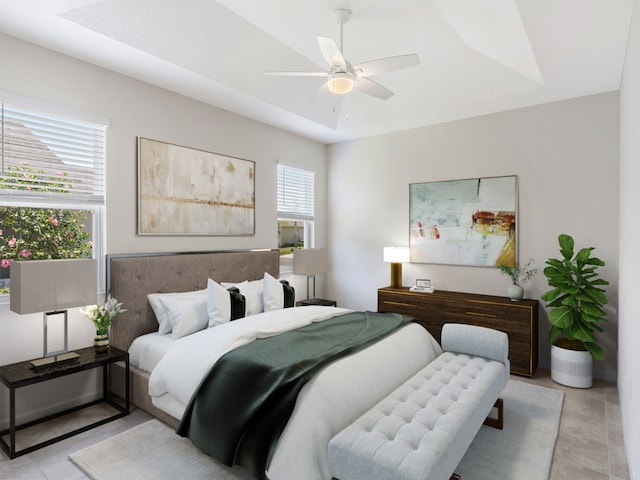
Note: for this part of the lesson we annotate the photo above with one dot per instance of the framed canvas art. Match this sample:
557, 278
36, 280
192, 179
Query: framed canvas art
185, 191
464, 222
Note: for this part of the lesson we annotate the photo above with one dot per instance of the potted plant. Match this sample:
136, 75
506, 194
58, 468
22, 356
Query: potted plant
519, 275
576, 310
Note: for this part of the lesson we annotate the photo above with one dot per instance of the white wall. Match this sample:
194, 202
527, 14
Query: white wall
135, 109
629, 331
566, 157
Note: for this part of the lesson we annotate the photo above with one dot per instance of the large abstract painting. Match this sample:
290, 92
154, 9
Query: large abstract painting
184, 191
464, 222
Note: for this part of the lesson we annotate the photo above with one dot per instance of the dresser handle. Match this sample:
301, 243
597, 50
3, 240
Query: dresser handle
397, 303
481, 314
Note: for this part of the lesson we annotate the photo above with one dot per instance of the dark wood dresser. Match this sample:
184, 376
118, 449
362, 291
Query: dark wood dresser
519, 320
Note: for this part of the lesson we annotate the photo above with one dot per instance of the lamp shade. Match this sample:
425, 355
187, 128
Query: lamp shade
396, 254
49, 285
310, 261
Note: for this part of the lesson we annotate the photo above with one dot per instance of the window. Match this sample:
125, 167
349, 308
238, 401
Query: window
51, 186
295, 212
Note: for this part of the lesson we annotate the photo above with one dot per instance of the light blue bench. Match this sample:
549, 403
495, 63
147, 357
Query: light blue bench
422, 430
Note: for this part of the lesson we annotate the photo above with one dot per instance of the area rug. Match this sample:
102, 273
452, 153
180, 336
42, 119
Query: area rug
523, 449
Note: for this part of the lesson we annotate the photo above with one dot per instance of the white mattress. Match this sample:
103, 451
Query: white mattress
146, 351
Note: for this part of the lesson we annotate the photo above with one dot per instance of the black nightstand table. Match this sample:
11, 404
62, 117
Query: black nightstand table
21, 374
317, 301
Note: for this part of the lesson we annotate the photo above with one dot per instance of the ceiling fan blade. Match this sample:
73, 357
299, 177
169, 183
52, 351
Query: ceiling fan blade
332, 53
372, 88
299, 74
382, 65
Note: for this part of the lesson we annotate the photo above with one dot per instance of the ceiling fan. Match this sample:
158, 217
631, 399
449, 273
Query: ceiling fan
343, 77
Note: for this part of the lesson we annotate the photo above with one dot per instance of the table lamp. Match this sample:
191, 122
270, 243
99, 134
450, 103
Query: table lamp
396, 256
310, 262
51, 287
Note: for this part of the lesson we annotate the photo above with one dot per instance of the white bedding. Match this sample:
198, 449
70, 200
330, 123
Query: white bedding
146, 351
338, 395
179, 372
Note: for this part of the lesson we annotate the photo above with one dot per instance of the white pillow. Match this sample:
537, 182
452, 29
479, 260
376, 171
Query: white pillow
164, 325
186, 315
252, 292
273, 293
218, 303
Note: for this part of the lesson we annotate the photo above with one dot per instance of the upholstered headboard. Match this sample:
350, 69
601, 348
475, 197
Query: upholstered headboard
131, 277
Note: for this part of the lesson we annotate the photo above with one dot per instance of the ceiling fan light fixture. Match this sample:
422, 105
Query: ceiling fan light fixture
343, 77
340, 83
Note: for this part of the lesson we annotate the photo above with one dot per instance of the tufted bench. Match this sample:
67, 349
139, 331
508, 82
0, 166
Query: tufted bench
422, 429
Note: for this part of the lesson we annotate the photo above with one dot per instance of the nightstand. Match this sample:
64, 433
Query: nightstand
21, 374
317, 301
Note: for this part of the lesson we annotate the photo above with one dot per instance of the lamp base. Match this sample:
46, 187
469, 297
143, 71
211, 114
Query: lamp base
396, 275
54, 360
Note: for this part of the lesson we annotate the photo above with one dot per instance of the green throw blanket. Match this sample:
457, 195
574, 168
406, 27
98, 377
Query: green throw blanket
242, 406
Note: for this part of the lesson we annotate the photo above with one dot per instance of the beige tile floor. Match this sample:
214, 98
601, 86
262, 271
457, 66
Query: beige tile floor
590, 444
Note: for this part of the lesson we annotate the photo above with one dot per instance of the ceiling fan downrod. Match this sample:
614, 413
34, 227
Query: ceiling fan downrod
342, 16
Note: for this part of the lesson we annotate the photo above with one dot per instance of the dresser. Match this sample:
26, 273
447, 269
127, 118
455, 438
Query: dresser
519, 320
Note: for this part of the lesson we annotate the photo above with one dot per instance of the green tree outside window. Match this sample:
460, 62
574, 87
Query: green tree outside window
32, 233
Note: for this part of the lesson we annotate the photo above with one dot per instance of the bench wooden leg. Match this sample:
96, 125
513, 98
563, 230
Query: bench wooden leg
497, 422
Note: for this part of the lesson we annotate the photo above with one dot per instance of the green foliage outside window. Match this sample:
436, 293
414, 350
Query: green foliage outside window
28, 233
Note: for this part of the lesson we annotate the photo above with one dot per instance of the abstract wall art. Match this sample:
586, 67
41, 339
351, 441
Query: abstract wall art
185, 191
464, 222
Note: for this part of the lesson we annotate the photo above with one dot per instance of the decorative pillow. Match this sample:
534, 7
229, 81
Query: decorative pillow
277, 294
238, 303
186, 315
252, 292
289, 294
164, 325
273, 293
223, 305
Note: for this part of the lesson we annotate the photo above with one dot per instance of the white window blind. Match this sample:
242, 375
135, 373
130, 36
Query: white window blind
58, 159
295, 193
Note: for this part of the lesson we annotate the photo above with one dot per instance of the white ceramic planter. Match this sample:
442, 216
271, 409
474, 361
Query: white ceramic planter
571, 367
515, 292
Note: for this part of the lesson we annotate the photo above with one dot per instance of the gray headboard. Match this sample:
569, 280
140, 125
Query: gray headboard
131, 277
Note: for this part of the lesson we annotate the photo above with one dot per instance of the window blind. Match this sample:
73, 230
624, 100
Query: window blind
295, 193
59, 159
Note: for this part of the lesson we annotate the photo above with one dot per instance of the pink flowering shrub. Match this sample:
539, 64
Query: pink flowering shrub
28, 233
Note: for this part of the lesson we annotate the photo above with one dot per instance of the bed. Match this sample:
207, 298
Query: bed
331, 400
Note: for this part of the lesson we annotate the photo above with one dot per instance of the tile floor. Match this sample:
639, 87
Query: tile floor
590, 444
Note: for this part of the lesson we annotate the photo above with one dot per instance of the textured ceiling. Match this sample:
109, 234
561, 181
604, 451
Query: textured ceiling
476, 57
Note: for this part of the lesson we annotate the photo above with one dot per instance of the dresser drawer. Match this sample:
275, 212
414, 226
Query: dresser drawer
415, 301
519, 320
427, 310
515, 322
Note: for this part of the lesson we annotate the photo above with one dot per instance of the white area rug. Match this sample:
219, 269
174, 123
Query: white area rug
524, 449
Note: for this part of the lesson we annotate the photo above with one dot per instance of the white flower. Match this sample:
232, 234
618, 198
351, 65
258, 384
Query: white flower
102, 315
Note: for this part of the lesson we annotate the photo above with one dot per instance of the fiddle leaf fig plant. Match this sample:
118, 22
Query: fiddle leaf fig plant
576, 299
